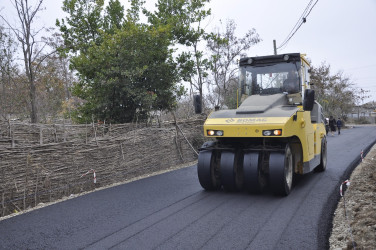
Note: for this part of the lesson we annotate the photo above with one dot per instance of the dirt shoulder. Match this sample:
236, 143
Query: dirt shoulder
354, 222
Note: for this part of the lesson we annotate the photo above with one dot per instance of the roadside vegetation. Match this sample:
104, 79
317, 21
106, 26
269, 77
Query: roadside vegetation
102, 63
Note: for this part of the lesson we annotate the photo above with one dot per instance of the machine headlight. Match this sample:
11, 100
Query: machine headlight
214, 132
286, 57
275, 132
219, 132
267, 132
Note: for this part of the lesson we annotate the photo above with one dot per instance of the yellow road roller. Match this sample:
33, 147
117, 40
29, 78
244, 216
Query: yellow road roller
276, 132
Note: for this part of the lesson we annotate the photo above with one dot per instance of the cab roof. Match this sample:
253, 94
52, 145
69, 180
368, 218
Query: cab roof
259, 60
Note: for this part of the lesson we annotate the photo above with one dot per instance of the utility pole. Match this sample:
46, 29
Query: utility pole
275, 47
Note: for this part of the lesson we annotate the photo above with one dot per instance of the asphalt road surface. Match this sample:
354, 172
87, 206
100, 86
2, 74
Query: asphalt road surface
172, 211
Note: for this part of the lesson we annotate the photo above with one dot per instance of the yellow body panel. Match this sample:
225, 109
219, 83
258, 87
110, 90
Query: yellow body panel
309, 134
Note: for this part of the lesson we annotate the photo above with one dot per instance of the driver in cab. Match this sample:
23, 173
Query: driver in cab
291, 84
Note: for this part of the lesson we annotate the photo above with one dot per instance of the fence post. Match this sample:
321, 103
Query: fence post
40, 136
86, 133
3, 203
95, 130
55, 134
28, 161
36, 189
13, 143
104, 125
9, 128
122, 152
95, 134
3, 192
65, 136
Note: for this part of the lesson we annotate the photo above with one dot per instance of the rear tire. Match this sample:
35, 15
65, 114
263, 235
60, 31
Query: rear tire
281, 171
208, 170
323, 157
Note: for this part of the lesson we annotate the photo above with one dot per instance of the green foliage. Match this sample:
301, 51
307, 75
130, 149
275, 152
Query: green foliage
125, 69
181, 15
185, 17
114, 16
81, 28
129, 73
133, 14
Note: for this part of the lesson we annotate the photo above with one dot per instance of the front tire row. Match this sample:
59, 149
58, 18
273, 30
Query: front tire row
252, 170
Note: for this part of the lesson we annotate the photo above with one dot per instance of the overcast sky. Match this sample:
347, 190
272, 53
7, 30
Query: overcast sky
341, 33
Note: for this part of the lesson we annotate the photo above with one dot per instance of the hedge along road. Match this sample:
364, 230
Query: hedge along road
172, 211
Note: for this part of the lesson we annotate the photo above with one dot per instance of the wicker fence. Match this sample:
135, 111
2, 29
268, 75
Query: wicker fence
43, 163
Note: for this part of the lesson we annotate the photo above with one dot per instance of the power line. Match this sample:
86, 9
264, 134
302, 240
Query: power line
301, 20
297, 23
361, 67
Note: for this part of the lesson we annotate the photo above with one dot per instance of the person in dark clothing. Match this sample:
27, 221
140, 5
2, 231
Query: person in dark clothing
326, 122
332, 125
339, 125
291, 84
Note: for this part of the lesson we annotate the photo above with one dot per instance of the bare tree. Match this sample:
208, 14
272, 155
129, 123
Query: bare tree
225, 48
64, 73
27, 36
337, 93
12, 84
6, 60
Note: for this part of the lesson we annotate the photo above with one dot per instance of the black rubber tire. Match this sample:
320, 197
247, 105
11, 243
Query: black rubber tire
231, 170
281, 171
254, 178
323, 157
208, 170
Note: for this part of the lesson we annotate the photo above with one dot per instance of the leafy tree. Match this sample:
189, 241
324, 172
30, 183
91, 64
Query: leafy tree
129, 74
336, 93
185, 18
125, 69
113, 17
225, 48
82, 26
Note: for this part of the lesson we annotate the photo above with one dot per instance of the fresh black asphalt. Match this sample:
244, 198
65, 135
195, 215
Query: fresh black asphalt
172, 211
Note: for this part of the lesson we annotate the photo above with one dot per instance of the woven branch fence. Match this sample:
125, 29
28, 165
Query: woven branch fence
43, 163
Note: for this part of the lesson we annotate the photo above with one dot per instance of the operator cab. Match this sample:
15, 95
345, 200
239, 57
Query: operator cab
268, 75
